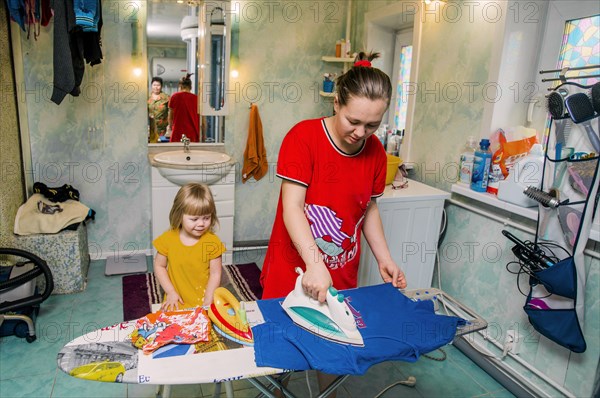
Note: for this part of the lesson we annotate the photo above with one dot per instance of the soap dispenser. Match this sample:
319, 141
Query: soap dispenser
525, 173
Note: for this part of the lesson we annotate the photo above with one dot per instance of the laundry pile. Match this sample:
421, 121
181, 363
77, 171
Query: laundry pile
51, 210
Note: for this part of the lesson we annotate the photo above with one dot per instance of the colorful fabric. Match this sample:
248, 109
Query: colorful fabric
393, 328
186, 120
189, 266
161, 328
339, 188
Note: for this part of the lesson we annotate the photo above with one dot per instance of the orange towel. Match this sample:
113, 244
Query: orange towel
255, 154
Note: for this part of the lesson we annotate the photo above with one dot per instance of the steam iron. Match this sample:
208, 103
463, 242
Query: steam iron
331, 320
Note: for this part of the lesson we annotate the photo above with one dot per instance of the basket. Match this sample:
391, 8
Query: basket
392, 167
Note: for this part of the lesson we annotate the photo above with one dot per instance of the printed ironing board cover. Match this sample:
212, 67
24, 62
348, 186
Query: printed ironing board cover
108, 355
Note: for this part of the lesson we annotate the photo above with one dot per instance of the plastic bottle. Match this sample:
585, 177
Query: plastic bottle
393, 144
338, 48
481, 166
526, 172
466, 161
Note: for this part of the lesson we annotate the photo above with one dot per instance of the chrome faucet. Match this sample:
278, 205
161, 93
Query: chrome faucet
186, 143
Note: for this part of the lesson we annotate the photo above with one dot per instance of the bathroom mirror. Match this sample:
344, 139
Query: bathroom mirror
192, 37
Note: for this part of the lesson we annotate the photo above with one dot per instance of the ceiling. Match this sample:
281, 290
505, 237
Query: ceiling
163, 23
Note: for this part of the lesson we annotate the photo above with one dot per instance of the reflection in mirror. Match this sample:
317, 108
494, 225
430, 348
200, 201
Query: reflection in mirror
173, 50
214, 48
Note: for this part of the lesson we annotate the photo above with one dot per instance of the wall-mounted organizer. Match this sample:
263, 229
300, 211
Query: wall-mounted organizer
568, 201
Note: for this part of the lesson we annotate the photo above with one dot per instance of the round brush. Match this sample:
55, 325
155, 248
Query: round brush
556, 107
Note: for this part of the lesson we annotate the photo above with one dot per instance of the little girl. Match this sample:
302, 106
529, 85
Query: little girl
188, 262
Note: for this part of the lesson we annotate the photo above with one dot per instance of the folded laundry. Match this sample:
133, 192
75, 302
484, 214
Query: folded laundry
393, 327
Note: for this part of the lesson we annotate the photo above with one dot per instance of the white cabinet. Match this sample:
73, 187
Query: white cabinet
163, 193
411, 220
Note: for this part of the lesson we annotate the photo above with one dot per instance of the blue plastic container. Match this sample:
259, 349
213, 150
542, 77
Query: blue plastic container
481, 166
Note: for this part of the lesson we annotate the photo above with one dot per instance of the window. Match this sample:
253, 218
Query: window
403, 58
581, 46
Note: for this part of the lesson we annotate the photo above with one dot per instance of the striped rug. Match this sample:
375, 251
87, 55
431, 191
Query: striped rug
140, 291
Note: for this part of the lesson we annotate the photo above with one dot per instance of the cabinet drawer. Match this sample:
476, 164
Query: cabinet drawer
222, 192
225, 208
225, 231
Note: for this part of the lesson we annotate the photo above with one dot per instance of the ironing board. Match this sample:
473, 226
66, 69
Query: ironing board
108, 355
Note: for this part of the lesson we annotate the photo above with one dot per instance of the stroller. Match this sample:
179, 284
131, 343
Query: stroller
19, 296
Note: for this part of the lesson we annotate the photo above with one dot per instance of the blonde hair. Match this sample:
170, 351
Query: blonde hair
364, 82
194, 199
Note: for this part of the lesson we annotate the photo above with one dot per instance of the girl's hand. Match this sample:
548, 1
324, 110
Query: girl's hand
172, 302
390, 272
316, 281
207, 302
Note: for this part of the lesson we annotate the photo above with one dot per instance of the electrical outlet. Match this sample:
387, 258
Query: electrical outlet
515, 340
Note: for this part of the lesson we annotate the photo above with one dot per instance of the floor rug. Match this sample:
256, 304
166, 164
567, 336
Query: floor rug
245, 280
140, 291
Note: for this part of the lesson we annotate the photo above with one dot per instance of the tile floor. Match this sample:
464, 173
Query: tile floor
29, 370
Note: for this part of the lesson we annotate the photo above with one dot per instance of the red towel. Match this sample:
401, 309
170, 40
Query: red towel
255, 154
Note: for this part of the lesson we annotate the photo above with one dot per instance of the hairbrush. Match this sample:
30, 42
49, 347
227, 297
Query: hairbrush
581, 111
544, 198
595, 95
556, 107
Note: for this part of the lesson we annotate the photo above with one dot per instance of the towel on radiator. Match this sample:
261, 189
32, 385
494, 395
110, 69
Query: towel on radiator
255, 154
393, 327
30, 220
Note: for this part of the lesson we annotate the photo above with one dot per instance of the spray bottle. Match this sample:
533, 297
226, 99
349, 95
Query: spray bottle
481, 166
465, 169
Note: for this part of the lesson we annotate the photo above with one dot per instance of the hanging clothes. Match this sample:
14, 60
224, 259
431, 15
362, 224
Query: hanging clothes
72, 48
30, 13
255, 154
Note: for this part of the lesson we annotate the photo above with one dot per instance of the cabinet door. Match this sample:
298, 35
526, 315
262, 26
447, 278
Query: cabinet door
163, 194
411, 230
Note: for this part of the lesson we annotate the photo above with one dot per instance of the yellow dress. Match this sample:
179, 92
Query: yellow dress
189, 266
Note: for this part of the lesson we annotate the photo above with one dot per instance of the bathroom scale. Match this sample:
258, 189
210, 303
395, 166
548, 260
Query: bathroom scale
126, 264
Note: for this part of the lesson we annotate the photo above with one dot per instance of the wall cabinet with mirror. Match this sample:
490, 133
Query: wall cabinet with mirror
190, 38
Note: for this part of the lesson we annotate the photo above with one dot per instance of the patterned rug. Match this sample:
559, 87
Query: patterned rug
140, 291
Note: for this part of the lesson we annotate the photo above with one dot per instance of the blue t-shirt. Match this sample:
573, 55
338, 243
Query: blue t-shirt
392, 326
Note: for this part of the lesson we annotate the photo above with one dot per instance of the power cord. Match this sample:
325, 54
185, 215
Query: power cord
411, 381
525, 268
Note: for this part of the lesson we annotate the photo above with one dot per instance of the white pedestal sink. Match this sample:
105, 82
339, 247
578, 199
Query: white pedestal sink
180, 167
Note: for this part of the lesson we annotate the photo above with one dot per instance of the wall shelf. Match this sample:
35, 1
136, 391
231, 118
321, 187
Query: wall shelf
492, 200
527, 212
336, 59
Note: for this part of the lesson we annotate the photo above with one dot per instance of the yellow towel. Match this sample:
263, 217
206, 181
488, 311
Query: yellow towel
255, 154
29, 220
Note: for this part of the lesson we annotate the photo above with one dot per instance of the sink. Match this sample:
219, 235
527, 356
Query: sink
191, 158
181, 167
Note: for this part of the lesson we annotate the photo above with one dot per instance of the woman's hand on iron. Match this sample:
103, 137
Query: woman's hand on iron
390, 272
316, 281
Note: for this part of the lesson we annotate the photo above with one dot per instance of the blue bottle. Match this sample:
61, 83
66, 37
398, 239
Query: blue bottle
481, 166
